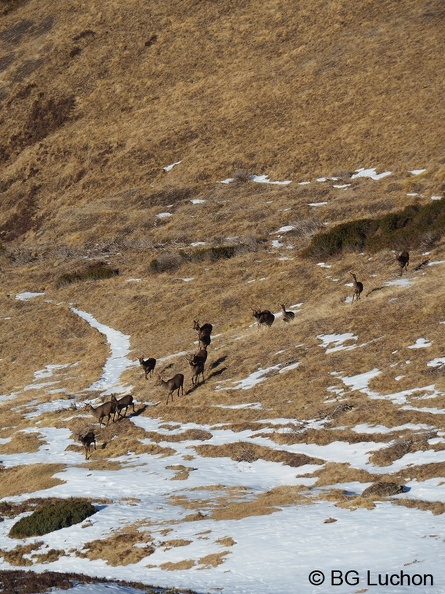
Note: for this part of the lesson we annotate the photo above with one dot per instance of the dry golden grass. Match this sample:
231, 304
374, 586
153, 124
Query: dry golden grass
228, 89
29, 478
120, 549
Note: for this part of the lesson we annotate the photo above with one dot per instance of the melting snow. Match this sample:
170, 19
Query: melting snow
268, 554
370, 173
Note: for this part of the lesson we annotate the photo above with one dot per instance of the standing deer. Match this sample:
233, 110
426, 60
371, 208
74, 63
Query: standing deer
123, 403
174, 383
204, 329
204, 333
288, 316
104, 410
264, 318
358, 287
197, 364
87, 441
403, 260
147, 365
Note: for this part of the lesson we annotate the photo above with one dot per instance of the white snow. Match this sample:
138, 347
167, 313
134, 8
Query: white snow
267, 554
170, 167
27, 295
372, 173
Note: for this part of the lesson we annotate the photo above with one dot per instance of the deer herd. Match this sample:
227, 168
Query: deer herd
114, 407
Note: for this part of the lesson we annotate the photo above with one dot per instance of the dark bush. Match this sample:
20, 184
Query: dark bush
165, 263
411, 227
53, 516
220, 252
96, 271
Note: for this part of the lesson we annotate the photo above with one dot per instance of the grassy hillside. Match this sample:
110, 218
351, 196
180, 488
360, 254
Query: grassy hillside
98, 98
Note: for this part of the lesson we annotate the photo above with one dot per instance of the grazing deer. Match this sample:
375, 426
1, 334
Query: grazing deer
148, 365
87, 441
358, 287
174, 383
122, 403
104, 410
288, 316
403, 260
264, 318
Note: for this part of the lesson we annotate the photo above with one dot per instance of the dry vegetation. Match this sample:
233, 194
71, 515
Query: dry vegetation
96, 101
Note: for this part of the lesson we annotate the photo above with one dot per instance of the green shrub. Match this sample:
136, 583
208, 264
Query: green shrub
95, 271
411, 227
53, 516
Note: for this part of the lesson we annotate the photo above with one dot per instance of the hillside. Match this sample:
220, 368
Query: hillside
161, 164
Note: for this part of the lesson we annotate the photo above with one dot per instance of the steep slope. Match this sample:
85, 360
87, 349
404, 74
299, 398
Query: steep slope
166, 163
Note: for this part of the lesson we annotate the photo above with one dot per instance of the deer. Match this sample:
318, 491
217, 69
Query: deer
199, 357
197, 363
288, 316
204, 329
148, 366
104, 410
174, 383
358, 287
198, 369
204, 333
87, 441
403, 260
122, 403
264, 318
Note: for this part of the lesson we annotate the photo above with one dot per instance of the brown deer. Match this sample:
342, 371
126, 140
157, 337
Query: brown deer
264, 318
104, 410
288, 316
147, 365
204, 329
123, 403
87, 441
197, 365
199, 357
403, 260
174, 383
204, 333
358, 287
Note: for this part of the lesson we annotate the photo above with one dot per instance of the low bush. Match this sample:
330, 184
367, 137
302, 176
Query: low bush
412, 227
166, 263
96, 271
53, 516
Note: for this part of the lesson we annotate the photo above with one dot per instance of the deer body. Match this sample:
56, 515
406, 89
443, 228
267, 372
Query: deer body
148, 365
204, 333
124, 403
288, 316
403, 260
87, 441
197, 364
264, 318
358, 287
204, 329
174, 383
104, 410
